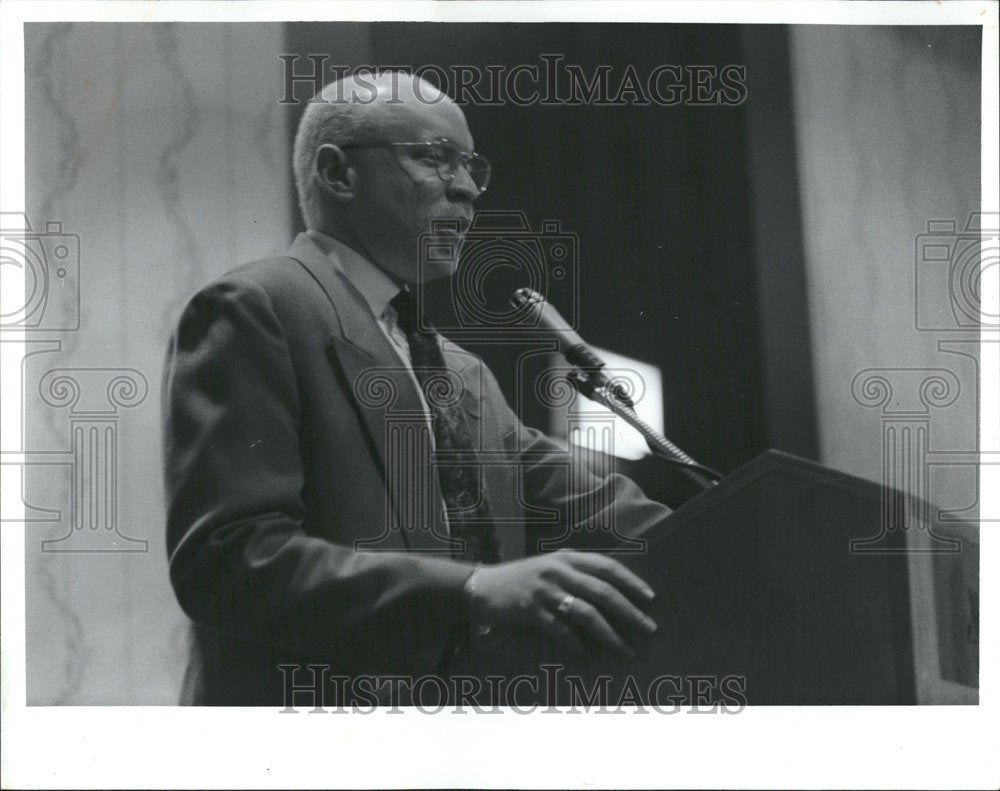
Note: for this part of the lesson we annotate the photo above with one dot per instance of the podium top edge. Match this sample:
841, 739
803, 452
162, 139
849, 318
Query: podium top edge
808, 471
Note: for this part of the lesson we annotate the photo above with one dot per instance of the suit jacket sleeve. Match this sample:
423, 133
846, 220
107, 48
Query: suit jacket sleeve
240, 559
590, 504
583, 499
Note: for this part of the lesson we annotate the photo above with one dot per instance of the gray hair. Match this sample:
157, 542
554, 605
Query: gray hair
346, 111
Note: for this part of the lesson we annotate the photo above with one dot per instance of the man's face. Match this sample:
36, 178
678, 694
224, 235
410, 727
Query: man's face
399, 193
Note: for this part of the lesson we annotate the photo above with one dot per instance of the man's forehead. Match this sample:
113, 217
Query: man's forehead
416, 119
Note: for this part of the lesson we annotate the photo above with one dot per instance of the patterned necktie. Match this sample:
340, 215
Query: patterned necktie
469, 513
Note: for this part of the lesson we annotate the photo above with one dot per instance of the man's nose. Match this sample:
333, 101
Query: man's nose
462, 186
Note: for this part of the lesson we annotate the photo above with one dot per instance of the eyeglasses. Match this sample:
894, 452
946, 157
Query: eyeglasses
444, 156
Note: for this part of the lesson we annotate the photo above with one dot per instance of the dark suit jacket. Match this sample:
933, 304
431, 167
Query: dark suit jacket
296, 531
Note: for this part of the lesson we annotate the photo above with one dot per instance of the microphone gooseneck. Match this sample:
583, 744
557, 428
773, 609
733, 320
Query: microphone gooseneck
592, 382
571, 345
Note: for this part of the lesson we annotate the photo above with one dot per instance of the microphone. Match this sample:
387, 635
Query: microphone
595, 385
571, 345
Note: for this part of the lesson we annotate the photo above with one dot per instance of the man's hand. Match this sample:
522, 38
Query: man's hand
570, 596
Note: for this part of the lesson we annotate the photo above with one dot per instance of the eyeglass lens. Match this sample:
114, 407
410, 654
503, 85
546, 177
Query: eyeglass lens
451, 159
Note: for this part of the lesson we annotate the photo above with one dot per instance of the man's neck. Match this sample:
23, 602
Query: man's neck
374, 284
348, 239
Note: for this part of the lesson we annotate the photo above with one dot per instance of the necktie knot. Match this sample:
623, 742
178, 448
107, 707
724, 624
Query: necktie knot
407, 311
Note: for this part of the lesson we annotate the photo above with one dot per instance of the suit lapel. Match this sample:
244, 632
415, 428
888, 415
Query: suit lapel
386, 397
356, 324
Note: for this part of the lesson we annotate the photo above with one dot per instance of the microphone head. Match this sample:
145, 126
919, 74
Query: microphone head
544, 316
524, 297
530, 306
589, 378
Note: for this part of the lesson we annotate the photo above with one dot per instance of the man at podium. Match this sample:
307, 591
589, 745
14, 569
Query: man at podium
303, 396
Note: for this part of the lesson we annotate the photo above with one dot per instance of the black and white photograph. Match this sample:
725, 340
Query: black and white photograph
495, 386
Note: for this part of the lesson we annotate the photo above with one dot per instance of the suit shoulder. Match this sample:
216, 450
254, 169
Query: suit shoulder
273, 276
270, 289
276, 282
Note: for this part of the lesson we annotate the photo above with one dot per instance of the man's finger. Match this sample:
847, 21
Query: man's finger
559, 631
586, 618
613, 572
609, 600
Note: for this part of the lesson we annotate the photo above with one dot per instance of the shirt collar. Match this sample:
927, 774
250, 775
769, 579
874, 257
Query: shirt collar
375, 286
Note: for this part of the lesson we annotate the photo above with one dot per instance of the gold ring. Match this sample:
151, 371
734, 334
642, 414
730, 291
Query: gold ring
566, 603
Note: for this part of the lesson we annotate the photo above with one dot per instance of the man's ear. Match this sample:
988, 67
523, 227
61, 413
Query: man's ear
334, 176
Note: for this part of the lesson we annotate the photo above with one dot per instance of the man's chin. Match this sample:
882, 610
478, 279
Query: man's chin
440, 253
447, 238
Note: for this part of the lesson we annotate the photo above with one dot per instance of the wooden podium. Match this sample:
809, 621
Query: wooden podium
781, 579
